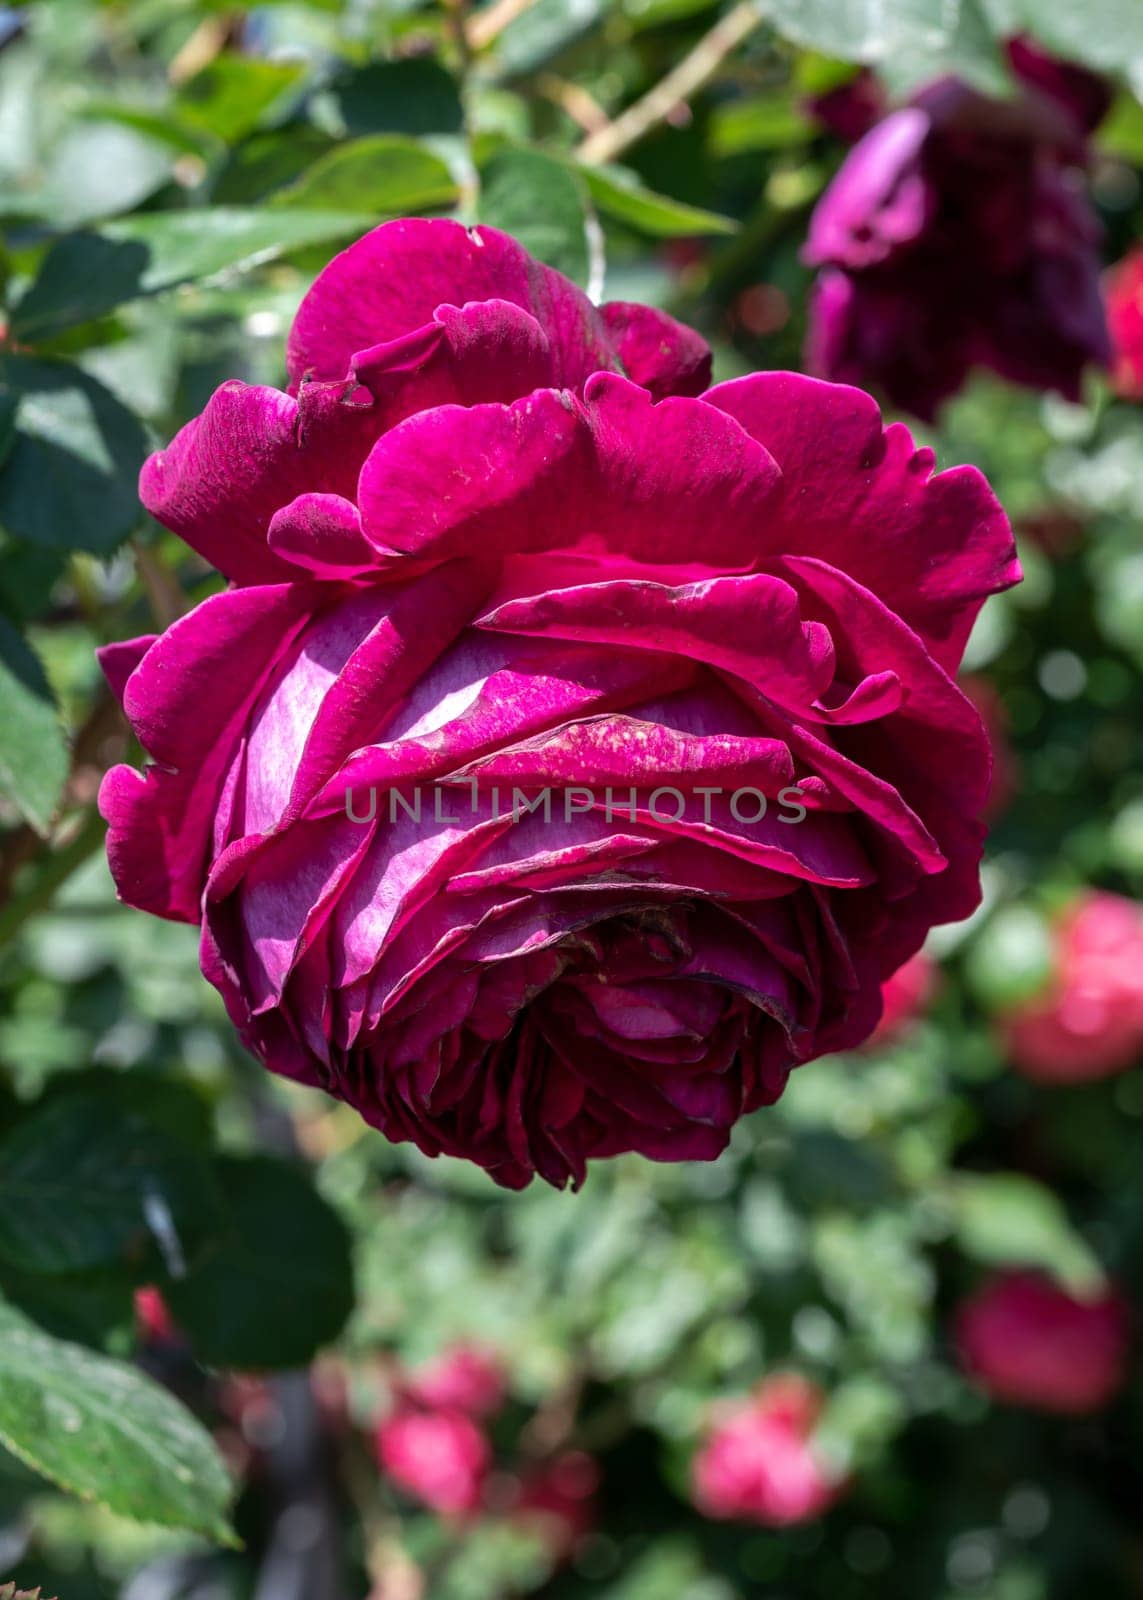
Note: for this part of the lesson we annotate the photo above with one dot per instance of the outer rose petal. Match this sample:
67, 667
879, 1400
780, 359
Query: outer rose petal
162, 822
858, 495
613, 474
118, 661
394, 279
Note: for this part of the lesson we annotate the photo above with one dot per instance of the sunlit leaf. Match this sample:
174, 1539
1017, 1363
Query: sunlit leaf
103, 1431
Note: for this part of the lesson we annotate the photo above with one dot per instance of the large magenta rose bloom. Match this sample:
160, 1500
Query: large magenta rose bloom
959, 233
491, 546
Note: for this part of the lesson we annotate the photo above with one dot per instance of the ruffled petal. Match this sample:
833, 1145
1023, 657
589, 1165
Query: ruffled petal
859, 496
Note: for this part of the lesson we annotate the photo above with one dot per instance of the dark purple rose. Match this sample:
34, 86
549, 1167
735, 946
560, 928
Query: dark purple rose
958, 233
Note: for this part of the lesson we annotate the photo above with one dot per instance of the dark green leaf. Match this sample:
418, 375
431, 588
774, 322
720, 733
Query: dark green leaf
620, 195
178, 1106
384, 175
279, 1285
413, 97
83, 276
93, 1308
267, 161
543, 203
28, 573
69, 480
33, 752
86, 1182
103, 1431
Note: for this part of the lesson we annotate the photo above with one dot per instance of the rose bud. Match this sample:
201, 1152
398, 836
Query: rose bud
1028, 1342
957, 234
652, 698
440, 1458
759, 1463
1088, 1023
1124, 290
153, 1320
464, 1378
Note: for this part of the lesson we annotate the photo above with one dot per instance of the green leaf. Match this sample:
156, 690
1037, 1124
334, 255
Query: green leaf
86, 275
1101, 33
83, 276
33, 752
86, 1182
620, 195
1010, 960
771, 121
103, 1431
542, 31
543, 203
98, 169
232, 94
413, 97
69, 480
197, 246
278, 1285
93, 1308
909, 40
385, 175
267, 161
1006, 1219
1121, 131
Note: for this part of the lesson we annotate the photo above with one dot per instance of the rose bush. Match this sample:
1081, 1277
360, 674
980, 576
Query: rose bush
959, 233
494, 541
1028, 1342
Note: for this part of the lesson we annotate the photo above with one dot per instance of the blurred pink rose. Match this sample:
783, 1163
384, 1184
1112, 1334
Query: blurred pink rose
1123, 288
1028, 1342
1088, 1023
759, 1463
465, 1378
152, 1318
557, 1499
905, 997
438, 1457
